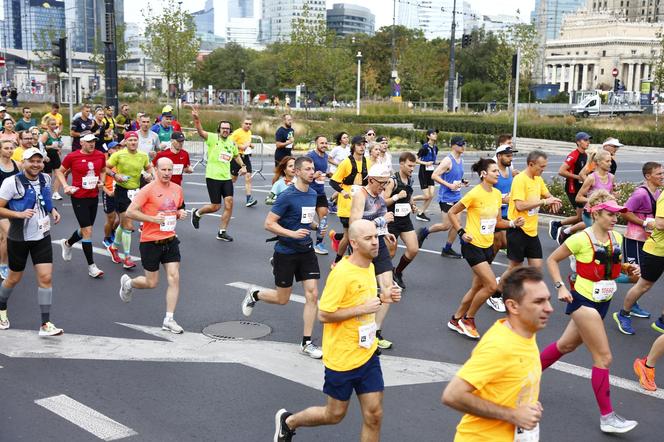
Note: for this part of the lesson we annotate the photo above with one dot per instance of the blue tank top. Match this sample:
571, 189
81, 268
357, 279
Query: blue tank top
505, 186
445, 195
320, 164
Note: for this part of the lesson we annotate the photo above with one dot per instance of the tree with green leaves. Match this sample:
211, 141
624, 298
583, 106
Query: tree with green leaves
171, 41
658, 73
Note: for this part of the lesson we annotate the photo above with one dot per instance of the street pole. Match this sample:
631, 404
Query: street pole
516, 94
110, 55
70, 68
145, 84
359, 70
450, 81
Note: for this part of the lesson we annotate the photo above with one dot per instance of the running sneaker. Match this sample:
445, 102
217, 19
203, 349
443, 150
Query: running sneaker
4, 271
645, 374
195, 219
311, 350
422, 217
398, 280
422, 235
171, 326
271, 261
249, 301
4, 320
554, 226
281, 431
94, 271
453, 324
128, 263
66, 250
115, 255
468, 327
56, 196
624, 323
335, 242
639, 312
223, 236
252, 202
107, 242
496, 303
384, 344
320, 249
562, 236
450, 253
333, 209
49, 329
125, 288
658, 325
614, 423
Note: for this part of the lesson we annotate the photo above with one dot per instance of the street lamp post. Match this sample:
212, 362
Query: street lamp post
359, 72
450, 82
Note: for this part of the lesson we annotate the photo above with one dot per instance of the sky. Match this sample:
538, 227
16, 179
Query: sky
383, 8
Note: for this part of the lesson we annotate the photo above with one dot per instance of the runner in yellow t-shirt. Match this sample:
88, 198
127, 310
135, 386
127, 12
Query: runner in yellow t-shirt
347, 310
500, 399
242, 139
483, 205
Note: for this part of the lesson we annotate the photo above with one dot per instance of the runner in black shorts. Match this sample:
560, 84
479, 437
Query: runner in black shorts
426, 158
108, 201
321, 166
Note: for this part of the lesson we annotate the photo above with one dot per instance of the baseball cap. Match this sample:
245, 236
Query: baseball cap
610, 206
29, 153
379, 171
612, 142
3, 109
166, 109
381, 138
358, 139
112, 145
432, 131
505, 148
583, 136
130, 134
458, 140
167, 114
177, 136
86, 135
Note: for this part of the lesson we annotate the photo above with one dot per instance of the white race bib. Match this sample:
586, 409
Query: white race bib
604, 290
381, 231
90, 182
131, 194
367, 335
177, 169
401, 209
225, 157
487, 226
429, 168
354, 189
44, 225
534, 211
289, 146
169, 223
521, 435
308, 214
456, 182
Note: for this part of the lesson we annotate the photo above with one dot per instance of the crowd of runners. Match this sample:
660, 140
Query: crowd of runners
136, 167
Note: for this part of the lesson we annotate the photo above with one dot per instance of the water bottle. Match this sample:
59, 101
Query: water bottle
323, 224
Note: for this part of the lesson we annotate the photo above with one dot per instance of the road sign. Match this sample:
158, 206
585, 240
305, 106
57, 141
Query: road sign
2, 62
614, 72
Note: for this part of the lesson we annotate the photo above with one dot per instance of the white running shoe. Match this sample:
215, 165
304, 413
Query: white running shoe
311, 350
56, 196
614, 423
496, 303
66, 250
49, 329
171, 326
125, 288
94, 271
249, 302
4, 323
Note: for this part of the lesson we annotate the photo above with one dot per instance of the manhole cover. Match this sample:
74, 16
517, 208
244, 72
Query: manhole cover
237, 330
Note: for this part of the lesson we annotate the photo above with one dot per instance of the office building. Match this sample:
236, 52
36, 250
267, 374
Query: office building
278, 16
222, 21
631, 10
348, 19
26, 23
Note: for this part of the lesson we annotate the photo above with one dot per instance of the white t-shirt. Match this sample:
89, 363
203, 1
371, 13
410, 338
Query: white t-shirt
338, 154
148, 144
25, 230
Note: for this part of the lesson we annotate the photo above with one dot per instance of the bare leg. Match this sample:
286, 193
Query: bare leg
332, 413
310, 306
228, 212
173, 290
656, 351
149, 281
372, 416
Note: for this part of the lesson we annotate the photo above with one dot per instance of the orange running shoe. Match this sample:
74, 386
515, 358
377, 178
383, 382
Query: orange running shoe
645, 374
468, 327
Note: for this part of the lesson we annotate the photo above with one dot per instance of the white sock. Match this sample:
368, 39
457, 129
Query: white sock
168, 316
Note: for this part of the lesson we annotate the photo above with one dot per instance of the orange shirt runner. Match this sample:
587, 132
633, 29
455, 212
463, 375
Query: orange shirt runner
159, 198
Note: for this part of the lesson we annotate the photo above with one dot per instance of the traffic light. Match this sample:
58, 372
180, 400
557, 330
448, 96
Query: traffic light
616, 84
460, 80
515, 61
466, 40
59, 51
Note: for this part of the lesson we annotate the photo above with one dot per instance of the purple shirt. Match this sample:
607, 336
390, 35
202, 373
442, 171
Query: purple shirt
640, 205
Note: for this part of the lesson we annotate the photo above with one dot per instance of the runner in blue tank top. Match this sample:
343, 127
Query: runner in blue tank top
449, 174
320, 159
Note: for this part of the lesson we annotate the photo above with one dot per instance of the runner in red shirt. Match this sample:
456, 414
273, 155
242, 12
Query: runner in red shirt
178, 156
158, 206
88, 172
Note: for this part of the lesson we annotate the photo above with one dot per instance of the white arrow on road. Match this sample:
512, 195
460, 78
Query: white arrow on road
278, 358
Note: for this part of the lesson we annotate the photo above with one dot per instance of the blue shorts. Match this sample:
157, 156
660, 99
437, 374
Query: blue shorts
581, 301
367, 378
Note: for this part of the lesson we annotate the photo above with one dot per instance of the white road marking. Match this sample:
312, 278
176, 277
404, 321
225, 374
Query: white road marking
244, 286
95, 249
86, 418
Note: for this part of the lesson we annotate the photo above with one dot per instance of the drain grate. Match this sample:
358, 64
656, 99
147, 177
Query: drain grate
231, 330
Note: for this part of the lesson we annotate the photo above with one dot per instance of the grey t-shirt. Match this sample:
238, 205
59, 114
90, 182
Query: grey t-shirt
25, 229
149, 143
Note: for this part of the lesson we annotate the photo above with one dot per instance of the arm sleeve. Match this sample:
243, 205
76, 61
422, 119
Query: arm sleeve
280, 135
571, 160
8, 189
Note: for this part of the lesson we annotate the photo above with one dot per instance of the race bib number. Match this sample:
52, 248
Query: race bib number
604, 290
44, 225
354, 189
487, 226
131, 194
289, 146
401, 209
534, 211
429, 167
456, 182
367, 335
382, 230
90, 182
177, 169
169, 223
521, 435
225, 157
308, 215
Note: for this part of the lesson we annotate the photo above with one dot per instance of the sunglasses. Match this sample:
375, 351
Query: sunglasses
371, 134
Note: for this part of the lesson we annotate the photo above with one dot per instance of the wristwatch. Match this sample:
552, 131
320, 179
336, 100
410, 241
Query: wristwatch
558, 284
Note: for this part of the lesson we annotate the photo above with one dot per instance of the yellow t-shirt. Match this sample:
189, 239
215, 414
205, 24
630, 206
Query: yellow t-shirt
240, 137
526, 189
579, 245
505, 369
483, 208
58, 119
18, 154
655, 244
347, 286
343, 170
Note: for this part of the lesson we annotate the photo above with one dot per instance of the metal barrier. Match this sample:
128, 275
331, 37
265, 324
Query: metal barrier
259, 140
198, 148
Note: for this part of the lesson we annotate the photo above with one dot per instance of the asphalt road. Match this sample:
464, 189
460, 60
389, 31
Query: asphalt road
153, 386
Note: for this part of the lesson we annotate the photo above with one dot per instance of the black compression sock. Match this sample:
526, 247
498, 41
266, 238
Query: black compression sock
87, 250
45, 317
74, 238
379, 334
338, 236
305, 340
338, 258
